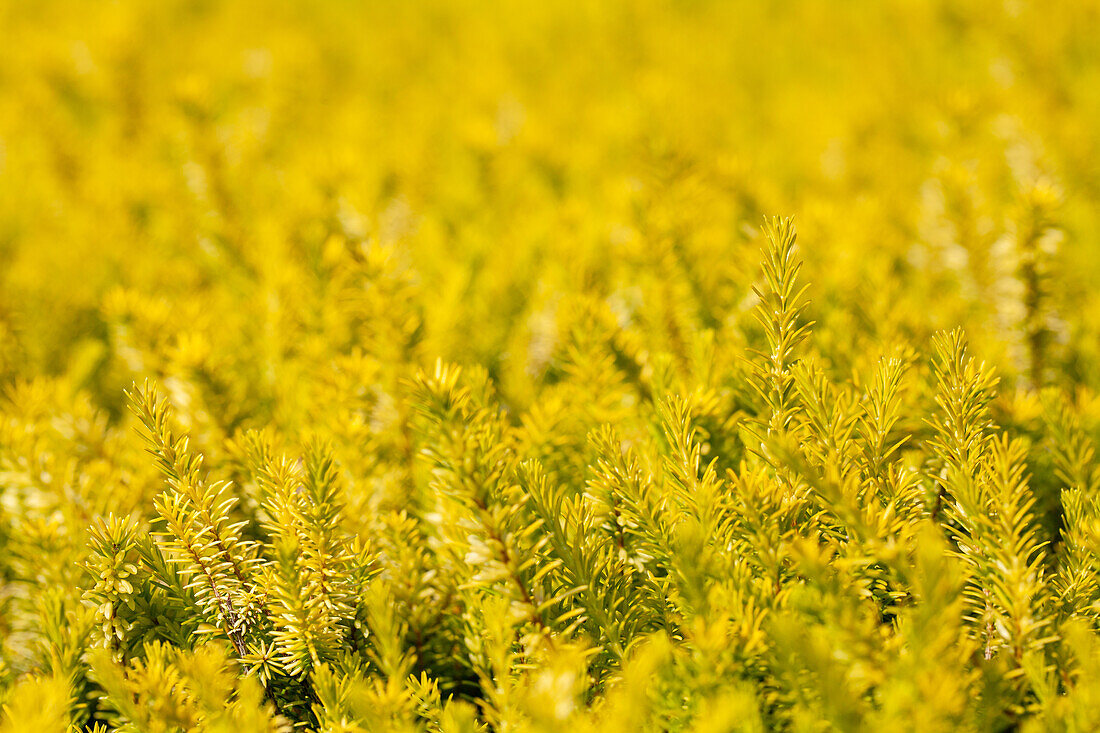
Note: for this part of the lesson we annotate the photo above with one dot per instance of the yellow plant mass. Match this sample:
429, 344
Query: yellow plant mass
624, 365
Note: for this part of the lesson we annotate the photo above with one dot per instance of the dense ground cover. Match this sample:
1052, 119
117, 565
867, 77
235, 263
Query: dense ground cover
452, 366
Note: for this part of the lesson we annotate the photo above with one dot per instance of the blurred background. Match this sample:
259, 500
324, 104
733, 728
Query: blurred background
195, 188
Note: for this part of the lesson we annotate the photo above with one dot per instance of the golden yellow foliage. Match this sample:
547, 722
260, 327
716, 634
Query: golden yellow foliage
442, 365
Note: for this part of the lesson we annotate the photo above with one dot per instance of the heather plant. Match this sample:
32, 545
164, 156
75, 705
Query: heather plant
457, 366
